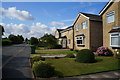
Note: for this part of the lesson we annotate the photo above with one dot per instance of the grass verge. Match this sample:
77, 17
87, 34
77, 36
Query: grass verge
55, 52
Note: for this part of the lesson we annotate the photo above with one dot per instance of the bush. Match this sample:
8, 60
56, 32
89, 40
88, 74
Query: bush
34, 41
70, 56
6, 42
37, 58
43, 70
85, 56
56, 57
103, 51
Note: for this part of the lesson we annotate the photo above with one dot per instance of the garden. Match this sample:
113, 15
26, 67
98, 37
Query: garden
84, 62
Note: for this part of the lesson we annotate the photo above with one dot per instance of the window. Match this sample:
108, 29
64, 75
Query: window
62, 34
77, 27
84, 25
110, 17
115, 39
68, 41
80, 40
69, 32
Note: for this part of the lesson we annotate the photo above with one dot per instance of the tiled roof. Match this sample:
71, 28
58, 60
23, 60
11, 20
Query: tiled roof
80, 35
93, 16
59, 30
115, 30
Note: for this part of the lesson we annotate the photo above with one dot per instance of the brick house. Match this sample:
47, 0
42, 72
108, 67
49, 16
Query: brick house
87, 31
65, 37
111, 25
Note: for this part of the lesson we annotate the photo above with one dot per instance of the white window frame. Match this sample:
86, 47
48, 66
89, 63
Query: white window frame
69, 32
114, 36
62, 34
77, 27
82, 38
86, 26
108, 15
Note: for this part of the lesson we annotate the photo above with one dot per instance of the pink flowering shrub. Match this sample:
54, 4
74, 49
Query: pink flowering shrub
103, 51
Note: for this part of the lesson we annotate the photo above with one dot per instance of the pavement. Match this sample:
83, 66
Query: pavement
15, 62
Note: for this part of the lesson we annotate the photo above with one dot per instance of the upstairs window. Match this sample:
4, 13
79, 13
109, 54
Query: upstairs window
80, 40
84, 25
77, 27
62, 34
110, 17
115, 39
69, 32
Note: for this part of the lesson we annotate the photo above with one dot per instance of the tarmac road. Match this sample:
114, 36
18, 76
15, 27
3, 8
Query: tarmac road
15, 62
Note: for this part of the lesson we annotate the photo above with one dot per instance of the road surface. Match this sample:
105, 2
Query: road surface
15, 62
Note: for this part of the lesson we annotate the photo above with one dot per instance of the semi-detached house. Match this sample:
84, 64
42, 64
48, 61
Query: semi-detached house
91, 31
111, 25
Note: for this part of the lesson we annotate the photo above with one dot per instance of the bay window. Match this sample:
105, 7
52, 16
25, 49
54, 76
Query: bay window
115, 39
80, 40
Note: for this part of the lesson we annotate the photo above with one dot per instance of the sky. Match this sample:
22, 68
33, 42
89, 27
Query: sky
34, 19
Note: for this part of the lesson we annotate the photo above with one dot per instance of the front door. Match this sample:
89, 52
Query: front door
64, 43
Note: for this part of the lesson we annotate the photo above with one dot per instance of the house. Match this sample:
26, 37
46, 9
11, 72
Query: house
58, 35
87, 31
111, 25
65, 37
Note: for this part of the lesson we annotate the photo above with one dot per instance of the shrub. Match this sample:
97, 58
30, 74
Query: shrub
56, 57
76, 50
85, 56
43, 70
6, 42
70, 56
37, 58
103, 51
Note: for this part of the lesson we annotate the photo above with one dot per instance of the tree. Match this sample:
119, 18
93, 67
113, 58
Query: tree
49, 40
21, 37
2, 28
34, 41
26, 39
15, 39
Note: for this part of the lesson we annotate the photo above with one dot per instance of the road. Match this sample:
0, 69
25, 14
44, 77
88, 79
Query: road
15, 62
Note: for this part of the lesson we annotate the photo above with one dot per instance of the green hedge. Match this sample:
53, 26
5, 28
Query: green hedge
43, 70
6, 42
85, 56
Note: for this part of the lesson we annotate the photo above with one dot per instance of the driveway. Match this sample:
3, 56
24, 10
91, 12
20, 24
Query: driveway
15, 62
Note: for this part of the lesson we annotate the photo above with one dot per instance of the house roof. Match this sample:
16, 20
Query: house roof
69, 27
89, 16
80, 35
59, 30
107, 6
93, 17
115, 30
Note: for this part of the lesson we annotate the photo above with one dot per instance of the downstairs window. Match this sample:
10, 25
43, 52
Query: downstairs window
80, 40
115, 39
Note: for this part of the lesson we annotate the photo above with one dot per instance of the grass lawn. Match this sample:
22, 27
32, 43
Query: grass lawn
55, 52
68, 66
